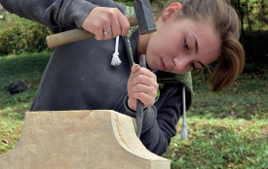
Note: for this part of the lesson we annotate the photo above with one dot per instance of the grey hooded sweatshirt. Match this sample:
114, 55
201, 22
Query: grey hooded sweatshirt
79, 75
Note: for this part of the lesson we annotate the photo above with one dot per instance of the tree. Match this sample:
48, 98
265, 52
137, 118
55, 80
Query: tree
237, 5
250, 29
262, 11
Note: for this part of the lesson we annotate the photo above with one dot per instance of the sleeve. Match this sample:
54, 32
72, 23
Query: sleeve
55, 13
160, 120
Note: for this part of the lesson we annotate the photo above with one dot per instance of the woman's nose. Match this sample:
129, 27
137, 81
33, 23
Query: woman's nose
180, 63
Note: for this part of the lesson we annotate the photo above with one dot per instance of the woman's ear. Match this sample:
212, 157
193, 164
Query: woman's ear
171, 11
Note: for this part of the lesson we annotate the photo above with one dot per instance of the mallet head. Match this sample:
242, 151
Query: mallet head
145, 16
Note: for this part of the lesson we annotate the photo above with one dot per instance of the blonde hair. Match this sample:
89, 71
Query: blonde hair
226, 24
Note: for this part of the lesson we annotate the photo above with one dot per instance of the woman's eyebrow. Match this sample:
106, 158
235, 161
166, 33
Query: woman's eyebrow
196, 44
196, 50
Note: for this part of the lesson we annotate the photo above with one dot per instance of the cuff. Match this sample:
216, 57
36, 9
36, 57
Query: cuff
76, 12
132, 113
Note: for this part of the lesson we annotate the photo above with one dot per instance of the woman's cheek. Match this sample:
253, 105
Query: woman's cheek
151, 61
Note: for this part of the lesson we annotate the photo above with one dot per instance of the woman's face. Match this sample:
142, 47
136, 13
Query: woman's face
180, 45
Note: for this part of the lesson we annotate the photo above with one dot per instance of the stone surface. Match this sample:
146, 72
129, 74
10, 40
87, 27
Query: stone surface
96, 139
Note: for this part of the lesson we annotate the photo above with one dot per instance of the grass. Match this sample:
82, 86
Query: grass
225, 130
221, 143
228, 129
247, 99
28, 68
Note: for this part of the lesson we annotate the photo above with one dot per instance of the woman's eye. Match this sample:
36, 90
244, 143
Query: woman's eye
186, 45
193, 65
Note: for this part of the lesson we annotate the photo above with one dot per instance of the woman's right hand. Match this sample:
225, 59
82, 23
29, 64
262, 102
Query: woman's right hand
142, 84
103, 18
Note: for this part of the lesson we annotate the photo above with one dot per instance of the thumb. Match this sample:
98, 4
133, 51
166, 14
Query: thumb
135, 68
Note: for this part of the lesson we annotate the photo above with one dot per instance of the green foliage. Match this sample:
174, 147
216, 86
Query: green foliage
258, 13
18, 35
126, 2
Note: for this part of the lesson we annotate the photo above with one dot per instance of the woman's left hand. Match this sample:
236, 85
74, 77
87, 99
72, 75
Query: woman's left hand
142, 84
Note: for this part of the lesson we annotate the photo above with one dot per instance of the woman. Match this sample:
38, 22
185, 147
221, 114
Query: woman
191, 34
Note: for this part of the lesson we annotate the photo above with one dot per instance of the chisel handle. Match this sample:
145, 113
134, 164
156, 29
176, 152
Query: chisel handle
139, 109
75, 35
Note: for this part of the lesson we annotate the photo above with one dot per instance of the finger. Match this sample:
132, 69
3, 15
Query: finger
148, 86
108, 34
145, 72
124, 23
150, 90
99, 34
98, 31
116, 29
141, 79
145, 98
132, 103
135, 68
111, 15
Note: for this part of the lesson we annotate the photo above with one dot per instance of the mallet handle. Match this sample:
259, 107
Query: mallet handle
74, 35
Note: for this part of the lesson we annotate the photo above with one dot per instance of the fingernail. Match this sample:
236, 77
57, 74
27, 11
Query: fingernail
135, 67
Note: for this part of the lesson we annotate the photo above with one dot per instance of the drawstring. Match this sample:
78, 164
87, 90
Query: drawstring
116, 60
184, 126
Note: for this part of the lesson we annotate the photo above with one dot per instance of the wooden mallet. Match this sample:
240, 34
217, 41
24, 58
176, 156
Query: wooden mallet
144, 18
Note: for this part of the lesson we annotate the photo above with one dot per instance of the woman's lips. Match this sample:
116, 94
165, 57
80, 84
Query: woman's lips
162, 65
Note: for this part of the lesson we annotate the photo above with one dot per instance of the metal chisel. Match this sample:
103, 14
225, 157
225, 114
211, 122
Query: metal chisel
139, 111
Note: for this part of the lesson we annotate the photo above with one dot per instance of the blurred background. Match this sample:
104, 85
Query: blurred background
228, 129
